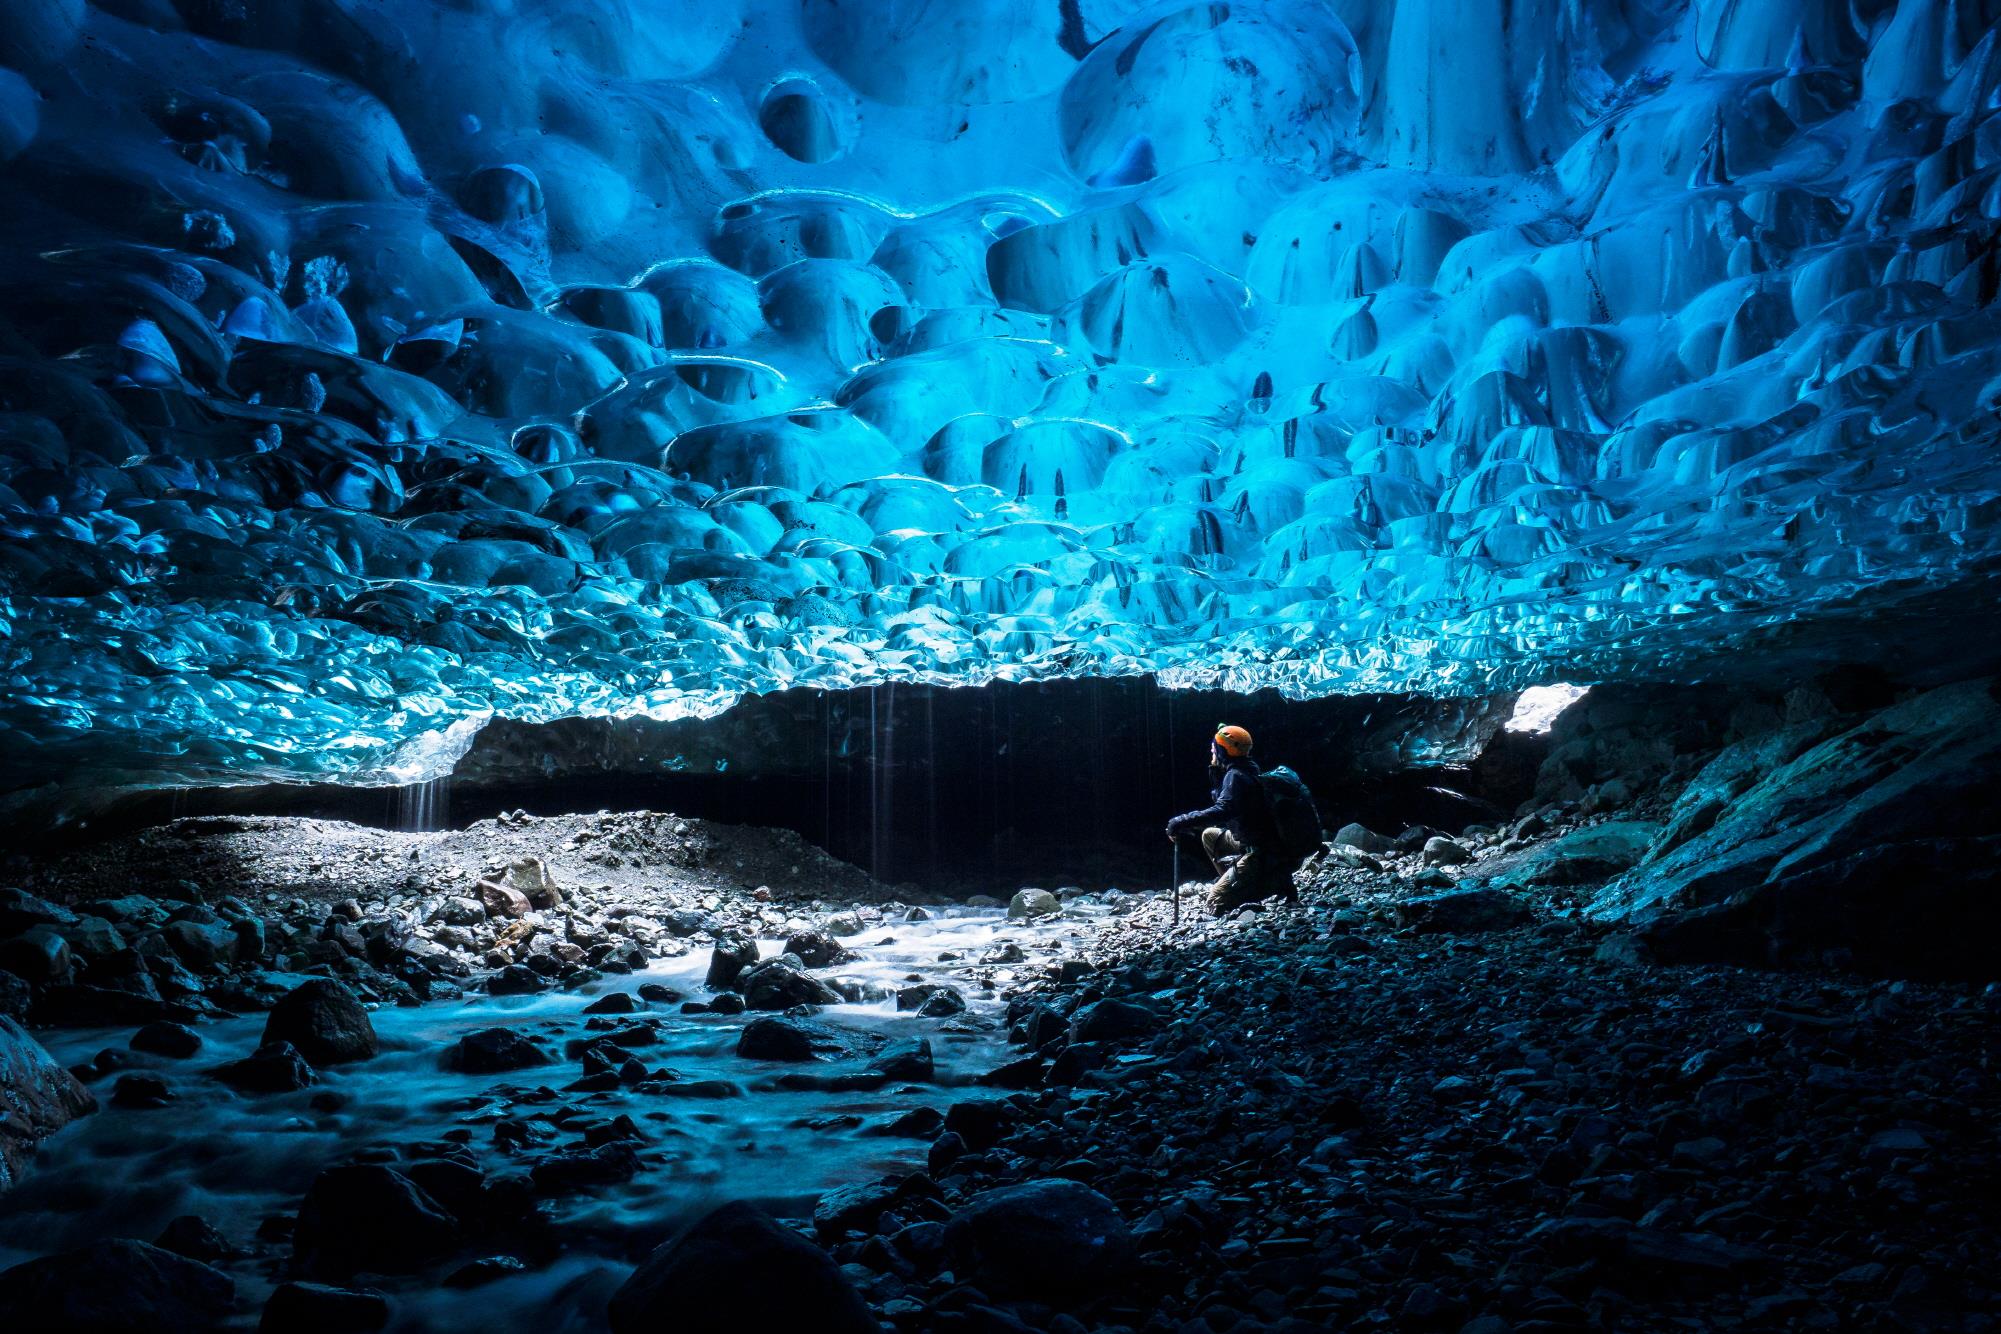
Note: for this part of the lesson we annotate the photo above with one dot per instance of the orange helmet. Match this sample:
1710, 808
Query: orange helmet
1233, 741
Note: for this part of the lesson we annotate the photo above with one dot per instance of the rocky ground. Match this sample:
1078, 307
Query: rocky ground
1428, 1094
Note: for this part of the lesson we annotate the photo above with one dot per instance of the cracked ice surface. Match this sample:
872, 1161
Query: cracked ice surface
372, 367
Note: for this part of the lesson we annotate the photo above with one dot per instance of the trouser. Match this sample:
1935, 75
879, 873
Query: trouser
1256, 874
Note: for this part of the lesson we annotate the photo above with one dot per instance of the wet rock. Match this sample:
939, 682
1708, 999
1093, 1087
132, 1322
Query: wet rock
368, 1216
110, 1007
316, 1308
193, 1237
910, 1062
734, 952
1112, 1021
493, 1050
767, 1039
615, 1002
275, 1067
514, 980
15, 996
117, 1287
1464, 911
857, 1208
325, 1021
658, 993
1048, 1240
93, 938
200, 945
137, 1092
734, 1264
579, 1169
780, 984
1030, 904
37, 1096
932, 1000
1587, 856
38, 954
816, 949
487, 1269
166, 1038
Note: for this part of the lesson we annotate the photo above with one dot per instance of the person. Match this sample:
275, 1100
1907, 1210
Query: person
1236, 828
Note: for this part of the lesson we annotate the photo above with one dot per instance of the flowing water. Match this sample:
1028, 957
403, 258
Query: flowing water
239, 1159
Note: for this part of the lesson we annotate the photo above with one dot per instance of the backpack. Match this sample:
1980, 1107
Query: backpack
1293, 813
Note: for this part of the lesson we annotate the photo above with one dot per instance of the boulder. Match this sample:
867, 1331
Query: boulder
1464, 911
368, 1216
116, 1287
1111, 1021
163, 1037
20, 910
529, 877
492, 1050
767, 1039
857, 1208
325, 1021
93, 938
816, 949
734, 952
316, 1308
200, 945
613, 1002
1049, 1240
194, 1238
780, 984
1029, 904
1363, 839
39, 954
499, 901
275, 1067
1442, 851
737, 1269
1587, 856
37, 1098
908, 1061
933, 1000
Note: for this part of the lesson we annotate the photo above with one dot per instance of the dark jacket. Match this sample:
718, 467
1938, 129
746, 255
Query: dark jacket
1237, 803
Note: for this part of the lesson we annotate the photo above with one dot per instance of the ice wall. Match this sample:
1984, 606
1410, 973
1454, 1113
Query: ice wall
372, 366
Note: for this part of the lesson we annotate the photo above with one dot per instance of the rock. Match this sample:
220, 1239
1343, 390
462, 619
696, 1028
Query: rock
614, 1002
735, 1266
93, 938
21, 911
111, 1007
138, 1092
933, 1000
201, 946
460, 911
38, 955
1363, 839
15, 996
1112, 1021
856, 1208
514, 980
529, 877
1049, 1240
658, 993
734, 952
275, 1067
492, 1050
325, 1021
767, 1039
193, 1237
578, 1169
497, 900
1464, 911
779, 985
1029, 904
1587, 856
37, 1098
116, 1287
1442, 851
368, 1216
816, 949
907, 1061
316, 1308
487, 1269
163, 1037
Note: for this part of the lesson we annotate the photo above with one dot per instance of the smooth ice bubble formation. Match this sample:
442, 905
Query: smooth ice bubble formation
370, 368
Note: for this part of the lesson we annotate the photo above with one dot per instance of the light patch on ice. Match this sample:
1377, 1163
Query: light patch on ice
1538, 708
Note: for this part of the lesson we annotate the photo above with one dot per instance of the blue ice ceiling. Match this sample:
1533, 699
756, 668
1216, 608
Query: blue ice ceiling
368, 367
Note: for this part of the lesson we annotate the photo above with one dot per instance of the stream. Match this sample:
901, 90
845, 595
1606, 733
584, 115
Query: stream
239, 1160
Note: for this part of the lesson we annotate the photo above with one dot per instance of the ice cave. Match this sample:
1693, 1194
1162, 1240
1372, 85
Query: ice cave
1000, 666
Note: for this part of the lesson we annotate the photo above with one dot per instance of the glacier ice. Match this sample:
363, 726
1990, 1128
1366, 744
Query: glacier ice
371, 368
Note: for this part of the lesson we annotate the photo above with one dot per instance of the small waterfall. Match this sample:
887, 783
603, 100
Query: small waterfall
423, 808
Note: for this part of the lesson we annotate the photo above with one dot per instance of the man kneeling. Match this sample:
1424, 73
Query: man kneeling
1237, 829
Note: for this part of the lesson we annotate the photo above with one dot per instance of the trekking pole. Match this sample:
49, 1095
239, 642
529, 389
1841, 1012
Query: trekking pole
1177, 882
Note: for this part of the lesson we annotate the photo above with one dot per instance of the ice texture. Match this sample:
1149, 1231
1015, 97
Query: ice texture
370, 368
